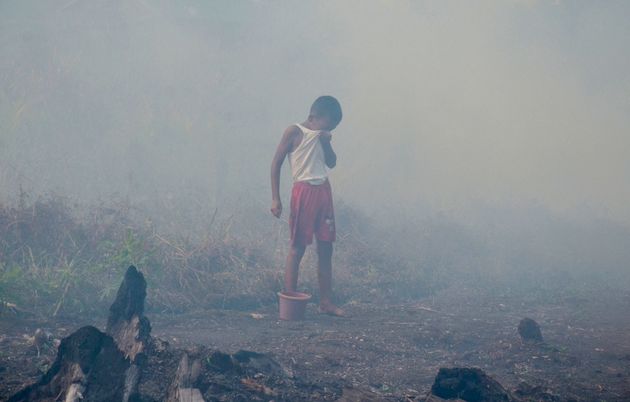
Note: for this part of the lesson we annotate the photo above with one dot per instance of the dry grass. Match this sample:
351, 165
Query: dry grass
61, 258
57, 257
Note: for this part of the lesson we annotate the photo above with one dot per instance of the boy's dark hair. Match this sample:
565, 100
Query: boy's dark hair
327, 106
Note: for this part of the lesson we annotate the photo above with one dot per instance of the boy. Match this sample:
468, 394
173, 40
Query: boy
310, 154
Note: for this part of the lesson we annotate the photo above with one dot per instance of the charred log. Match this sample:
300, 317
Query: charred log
88, 367
126, 364
126, 323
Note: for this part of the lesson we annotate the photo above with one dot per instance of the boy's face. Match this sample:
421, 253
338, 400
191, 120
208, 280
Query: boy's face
324, 123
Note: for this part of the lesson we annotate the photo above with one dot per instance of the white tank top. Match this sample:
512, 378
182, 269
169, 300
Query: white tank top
307, 160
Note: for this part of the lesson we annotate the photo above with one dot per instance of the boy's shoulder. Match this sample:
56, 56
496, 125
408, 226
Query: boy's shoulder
293, 129
292, 136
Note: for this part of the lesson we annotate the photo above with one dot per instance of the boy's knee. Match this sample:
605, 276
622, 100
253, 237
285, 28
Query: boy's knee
297, 251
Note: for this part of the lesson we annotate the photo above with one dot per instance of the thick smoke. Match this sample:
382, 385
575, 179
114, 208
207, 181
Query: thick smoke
464, 109
446, 103
501, 102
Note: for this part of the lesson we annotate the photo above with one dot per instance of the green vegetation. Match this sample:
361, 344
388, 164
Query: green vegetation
59, 258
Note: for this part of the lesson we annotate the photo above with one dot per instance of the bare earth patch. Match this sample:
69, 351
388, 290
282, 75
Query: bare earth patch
395, 351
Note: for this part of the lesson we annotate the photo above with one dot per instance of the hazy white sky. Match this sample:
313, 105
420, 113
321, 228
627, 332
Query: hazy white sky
447, 103
502, 101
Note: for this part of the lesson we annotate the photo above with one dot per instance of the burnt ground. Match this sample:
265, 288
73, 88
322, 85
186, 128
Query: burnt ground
396, 350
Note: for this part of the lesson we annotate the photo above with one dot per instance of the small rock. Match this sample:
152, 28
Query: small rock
469, 384
529, 330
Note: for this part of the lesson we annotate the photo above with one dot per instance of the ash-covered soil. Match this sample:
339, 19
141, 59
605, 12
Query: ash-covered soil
393, 352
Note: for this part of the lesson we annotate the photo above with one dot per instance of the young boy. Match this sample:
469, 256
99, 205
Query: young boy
310, 155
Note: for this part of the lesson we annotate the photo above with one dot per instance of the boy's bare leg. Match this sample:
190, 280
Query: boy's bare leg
292, 268
324, 274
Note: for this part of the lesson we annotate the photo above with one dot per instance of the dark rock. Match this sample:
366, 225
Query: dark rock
88, 367
529, 330
468, 384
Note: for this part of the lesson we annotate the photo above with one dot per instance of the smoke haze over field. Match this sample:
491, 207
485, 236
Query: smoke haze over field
448, 105
483, 177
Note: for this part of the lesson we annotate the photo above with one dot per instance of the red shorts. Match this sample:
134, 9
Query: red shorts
311, 213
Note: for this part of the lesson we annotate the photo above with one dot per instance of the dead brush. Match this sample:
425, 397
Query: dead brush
58, 258
212, 272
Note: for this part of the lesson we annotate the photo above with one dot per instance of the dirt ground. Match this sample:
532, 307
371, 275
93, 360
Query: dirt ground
395, 351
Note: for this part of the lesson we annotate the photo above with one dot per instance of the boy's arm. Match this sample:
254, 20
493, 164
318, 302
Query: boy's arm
285, 146
329, 155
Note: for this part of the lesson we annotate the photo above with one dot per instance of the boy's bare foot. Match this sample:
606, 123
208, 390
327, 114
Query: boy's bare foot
331, 309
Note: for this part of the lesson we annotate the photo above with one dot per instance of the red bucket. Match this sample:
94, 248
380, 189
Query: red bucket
292, 305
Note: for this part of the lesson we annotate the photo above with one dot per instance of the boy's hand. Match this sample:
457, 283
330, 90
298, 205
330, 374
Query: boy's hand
325, 136
330, 157
276, 208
